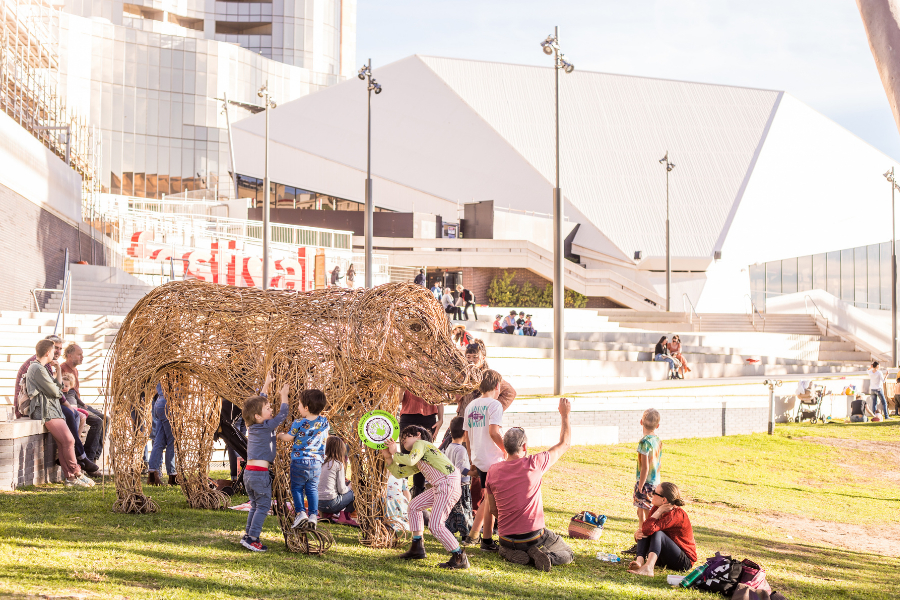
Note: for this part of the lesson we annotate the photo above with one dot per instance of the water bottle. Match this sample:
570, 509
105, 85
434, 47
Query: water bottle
611, 558
693, 576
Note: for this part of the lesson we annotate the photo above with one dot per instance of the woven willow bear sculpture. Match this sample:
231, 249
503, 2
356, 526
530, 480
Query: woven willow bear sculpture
205, 342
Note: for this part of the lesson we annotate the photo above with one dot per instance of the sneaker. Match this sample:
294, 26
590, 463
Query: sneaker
77, 481
458, 560
254, 545
87, 480
311, 522
300, 520
540, 558
489, 545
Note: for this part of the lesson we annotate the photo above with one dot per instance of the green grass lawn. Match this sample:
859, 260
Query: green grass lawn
68, 543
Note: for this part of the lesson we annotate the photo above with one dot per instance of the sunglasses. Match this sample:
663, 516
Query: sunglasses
653, 493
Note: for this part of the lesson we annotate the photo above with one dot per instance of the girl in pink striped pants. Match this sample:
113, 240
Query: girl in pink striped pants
424, 457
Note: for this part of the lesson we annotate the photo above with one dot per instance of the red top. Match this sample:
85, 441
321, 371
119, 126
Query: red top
677, 526
516, 487
413, 405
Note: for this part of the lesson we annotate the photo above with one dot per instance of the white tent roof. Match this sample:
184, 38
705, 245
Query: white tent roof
448, 130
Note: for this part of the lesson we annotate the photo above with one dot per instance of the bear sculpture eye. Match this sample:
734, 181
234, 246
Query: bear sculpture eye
416, 326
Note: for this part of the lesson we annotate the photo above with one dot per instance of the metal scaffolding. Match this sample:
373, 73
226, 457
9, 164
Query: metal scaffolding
29, 73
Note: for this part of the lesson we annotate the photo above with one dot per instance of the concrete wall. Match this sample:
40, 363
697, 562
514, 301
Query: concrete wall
26, 455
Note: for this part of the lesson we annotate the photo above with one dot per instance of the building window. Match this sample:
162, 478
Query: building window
805, 273
773, 278
860, 281
243, 28
833, 273
847, 281
789, 276
818, 272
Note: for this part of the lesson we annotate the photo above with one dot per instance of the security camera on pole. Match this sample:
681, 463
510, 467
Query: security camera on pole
374, 86
551, 46
267, 103
669, 166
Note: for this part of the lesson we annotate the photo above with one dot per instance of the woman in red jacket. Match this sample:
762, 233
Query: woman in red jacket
666, 538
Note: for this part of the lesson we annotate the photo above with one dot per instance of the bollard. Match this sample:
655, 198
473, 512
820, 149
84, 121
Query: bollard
772, 383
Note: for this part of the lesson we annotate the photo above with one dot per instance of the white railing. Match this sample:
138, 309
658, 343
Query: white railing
693, 311
507, 249
755, 310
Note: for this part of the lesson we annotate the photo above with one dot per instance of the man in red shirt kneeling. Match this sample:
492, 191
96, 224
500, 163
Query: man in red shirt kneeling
514, 496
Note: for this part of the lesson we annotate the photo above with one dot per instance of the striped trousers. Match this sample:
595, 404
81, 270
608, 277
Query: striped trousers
440, 497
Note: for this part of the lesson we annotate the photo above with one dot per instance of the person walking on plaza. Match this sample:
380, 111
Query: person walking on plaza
424, 457
44, 393
336, 276
450, 306
351, 277
420, 278
436, 291
513, 494
876, 388
468, 300
96, 421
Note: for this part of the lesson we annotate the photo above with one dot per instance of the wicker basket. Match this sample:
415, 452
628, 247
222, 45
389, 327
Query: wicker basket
582, 530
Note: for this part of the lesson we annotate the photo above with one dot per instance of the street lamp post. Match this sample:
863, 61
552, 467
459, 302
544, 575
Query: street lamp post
669, 166
267, 103
551, 46
374, 86
890, 177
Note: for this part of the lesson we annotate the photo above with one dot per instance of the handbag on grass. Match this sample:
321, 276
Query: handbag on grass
586, 526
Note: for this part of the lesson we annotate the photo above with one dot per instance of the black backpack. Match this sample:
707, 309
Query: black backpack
721, 575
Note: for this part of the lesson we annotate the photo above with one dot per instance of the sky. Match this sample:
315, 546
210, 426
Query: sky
815, 50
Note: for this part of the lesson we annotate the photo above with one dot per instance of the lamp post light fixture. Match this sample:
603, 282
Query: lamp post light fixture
267, 104
551, 46
366, 73
669, 166
889, 175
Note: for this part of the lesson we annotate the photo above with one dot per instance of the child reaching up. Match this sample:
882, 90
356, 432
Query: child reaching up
260, 452
308, 434
460, 519
424, 457
649, 451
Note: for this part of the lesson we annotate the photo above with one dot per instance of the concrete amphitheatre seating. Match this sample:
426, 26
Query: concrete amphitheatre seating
610, 374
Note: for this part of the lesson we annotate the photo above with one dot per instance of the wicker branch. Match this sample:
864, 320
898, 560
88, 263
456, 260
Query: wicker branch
206, 342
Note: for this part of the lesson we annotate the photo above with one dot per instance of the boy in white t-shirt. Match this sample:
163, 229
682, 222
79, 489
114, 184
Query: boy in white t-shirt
484, 441
876, 388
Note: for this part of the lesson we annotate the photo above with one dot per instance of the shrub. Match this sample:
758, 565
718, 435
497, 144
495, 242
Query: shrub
503, 292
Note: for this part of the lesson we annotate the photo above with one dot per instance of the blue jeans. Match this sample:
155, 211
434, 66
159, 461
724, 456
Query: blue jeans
876, 394
668, 553
305, 481
338, 503
163, 440
73, 421
259, 488
154, 427
664, 358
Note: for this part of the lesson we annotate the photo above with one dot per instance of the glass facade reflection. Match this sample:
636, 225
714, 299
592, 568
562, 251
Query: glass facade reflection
285, 196
319, 36
861, 276
153, 95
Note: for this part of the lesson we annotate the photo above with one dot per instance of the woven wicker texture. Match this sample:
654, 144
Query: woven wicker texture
205, 342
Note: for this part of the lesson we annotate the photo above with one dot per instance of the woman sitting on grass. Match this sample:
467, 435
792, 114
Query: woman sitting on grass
666, 538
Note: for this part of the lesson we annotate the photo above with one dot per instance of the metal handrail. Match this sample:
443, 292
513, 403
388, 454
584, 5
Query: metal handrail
60, 313
693, 310
806, 306
755, 310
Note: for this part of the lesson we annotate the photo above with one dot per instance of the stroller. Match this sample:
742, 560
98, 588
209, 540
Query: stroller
810, 406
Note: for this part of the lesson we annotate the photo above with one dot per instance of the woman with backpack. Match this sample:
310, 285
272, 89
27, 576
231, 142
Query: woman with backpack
666, 538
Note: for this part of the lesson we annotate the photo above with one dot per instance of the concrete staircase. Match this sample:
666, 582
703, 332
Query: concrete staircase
616, 353
97, 298
682, 322
20, 331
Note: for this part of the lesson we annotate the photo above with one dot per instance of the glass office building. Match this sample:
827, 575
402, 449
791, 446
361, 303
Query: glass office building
148, 75
861, 276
